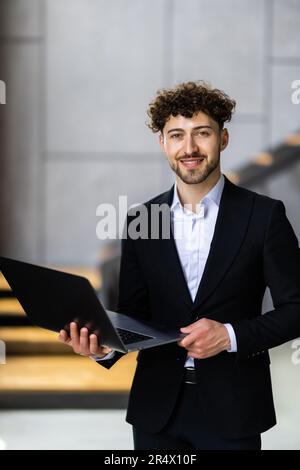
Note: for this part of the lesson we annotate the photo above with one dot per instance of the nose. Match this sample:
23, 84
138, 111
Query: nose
190, 145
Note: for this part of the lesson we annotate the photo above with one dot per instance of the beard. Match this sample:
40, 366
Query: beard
195, 175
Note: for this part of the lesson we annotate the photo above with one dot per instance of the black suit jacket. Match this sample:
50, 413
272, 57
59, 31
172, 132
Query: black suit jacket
253, 246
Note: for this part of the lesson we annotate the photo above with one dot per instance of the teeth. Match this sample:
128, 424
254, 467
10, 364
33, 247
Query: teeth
192, 161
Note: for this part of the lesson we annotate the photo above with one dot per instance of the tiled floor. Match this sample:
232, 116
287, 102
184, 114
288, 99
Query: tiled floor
70, 429
285, 369
98, 429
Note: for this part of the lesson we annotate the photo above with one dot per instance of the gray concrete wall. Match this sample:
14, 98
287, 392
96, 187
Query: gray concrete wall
80, 74
21, 37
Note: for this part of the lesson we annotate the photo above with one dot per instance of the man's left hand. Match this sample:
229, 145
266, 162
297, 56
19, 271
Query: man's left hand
205, 338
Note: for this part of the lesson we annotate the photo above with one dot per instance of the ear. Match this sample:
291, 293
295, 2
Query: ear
161, 141
224, 139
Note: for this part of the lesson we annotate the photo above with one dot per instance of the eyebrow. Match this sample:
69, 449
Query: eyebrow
194, 128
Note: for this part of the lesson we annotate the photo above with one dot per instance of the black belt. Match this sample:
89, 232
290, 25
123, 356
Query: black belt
189, 376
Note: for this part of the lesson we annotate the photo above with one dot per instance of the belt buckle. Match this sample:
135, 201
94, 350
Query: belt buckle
190, 376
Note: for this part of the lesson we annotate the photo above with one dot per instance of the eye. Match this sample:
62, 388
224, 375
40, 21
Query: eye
204, 133
175, 136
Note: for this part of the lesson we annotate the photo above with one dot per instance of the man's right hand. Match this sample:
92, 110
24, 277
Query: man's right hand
83, 343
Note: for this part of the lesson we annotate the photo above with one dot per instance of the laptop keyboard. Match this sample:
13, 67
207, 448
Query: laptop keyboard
130, 337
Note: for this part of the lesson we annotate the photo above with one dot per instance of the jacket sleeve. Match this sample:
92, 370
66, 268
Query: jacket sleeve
108, 363
281, 265
133, 292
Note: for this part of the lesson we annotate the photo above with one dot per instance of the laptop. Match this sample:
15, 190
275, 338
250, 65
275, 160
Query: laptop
53, 299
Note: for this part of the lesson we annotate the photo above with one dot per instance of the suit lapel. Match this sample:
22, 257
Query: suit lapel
230, 230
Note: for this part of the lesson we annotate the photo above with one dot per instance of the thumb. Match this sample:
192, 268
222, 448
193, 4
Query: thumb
187, 329
191, 327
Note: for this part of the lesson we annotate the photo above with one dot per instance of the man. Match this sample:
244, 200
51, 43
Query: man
211, 390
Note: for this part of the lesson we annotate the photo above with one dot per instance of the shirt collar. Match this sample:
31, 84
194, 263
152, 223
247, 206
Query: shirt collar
213, 195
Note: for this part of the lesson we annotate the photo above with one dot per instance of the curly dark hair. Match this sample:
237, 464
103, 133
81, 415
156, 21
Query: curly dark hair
187, 99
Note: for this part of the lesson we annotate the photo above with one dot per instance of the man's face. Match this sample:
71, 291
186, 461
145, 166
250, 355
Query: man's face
193, 146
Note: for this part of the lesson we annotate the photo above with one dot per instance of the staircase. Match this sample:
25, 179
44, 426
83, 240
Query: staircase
41, 372
268, 163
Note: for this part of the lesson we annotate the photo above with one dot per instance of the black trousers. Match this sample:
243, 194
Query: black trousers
187, 429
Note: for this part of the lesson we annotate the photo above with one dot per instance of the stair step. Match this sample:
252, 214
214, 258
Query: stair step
12, 314
3, 283
11, 307
42, 374
32, 340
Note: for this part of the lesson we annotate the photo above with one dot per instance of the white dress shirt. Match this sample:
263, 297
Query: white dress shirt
193, 233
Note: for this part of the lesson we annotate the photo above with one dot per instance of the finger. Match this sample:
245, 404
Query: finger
187, 329
195, 355
190, 327
202, 323
94, 346
200, 355
74, 336
106, 349
84, 341
189, 339
63, 337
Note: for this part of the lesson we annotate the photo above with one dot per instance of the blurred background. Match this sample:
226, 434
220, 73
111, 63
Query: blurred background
79, 75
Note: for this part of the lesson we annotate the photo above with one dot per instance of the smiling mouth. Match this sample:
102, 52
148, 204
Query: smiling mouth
191, 162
